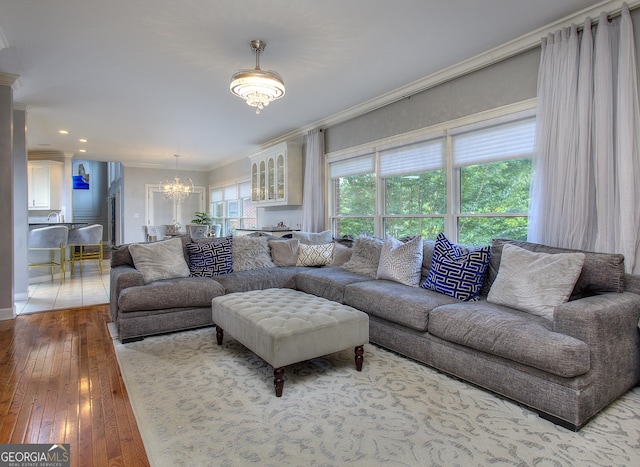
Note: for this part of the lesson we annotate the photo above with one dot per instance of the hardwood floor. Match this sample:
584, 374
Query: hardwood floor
60, 383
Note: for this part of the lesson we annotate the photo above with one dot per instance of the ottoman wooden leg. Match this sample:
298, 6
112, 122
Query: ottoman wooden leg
278, 380
219, 334
359, 351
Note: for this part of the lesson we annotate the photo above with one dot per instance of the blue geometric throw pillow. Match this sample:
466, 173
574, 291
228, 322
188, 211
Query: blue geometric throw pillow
210, 258
455, 272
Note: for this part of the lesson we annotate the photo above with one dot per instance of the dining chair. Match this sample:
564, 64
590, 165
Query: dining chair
52, 239
197, 230
85, 244
156, 232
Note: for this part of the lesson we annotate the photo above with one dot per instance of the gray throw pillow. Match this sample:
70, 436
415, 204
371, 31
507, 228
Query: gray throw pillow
341, 253
159, 260
365, 256
284, 252
250, 253
311, 238
535, 282
401, 262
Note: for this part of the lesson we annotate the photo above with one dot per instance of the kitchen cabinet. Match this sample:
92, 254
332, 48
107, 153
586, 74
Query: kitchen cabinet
44, 185
276, 176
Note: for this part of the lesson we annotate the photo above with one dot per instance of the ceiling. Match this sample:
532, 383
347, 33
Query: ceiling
143, 80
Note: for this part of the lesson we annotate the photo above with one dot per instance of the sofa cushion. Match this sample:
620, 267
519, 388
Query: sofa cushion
159, 260
535, 282
258, 279
341, 253
313, 238
212, 258
328, 282
456, 272
511, 334
601, 272
408, 306
315, 255
365, 256
250, 253
185, 292
284, 252
401, 262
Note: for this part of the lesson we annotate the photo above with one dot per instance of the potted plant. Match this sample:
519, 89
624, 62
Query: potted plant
202, 218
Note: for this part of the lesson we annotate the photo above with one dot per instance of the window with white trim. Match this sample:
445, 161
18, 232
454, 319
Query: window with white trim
471, 182
231, 207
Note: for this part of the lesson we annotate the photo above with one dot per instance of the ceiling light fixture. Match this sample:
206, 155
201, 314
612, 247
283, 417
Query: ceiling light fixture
175, 189
257, 87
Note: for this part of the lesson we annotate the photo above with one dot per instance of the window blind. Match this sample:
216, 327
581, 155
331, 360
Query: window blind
353, 166
231, 192
495, 143
216, 195
245, 189
413, 158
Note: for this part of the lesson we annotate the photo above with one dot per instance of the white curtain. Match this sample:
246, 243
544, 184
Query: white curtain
587, 167
313, 214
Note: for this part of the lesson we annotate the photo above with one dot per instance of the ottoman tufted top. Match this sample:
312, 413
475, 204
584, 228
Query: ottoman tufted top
285, 326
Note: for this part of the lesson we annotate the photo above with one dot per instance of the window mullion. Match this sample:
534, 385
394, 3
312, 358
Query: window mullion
453, 192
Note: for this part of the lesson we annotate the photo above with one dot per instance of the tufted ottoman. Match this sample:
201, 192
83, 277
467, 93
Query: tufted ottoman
285, 326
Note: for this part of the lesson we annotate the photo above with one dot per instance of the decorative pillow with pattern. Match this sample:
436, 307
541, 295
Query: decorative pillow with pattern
455, 272
208, 259
315, 255
401, 261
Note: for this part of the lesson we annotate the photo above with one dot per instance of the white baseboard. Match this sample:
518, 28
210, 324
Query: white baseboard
7, 313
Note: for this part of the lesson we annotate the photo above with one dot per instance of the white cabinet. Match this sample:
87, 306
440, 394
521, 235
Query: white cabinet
45, 185
276, 176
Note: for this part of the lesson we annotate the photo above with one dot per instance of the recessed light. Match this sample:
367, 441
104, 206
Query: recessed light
82, 150
63, 132
83, 140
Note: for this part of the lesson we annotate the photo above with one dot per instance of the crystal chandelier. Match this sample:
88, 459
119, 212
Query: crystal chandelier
257, 87
177, 189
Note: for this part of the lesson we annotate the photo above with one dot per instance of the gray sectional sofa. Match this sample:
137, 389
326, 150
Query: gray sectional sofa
566, 367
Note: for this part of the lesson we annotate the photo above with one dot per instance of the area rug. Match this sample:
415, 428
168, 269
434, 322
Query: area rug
197, 404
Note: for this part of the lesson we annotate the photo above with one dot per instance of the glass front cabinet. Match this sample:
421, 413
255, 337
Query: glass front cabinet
276, 175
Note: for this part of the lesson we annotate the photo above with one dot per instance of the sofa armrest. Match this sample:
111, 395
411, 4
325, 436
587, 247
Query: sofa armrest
122, 277
608, 324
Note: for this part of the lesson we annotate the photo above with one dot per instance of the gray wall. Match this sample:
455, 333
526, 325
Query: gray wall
20, 200
6, 206
512, 80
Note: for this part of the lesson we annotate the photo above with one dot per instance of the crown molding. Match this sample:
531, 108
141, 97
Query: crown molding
507, 50
7, 79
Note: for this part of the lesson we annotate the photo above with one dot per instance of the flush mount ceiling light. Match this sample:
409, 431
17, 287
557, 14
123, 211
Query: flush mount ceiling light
257, 87
175, 189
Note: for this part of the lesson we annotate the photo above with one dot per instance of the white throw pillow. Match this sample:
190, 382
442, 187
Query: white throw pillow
535, 282
250, 253
159, 260
401, 262
315, 255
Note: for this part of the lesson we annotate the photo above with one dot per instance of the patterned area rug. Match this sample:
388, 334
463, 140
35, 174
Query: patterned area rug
200, 404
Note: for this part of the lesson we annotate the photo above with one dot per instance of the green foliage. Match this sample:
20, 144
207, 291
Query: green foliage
202, 218
417, 203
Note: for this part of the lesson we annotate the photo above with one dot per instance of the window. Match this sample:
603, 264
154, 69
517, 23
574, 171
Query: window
471, 182
414, 182
493, 166
231, 207
353, 195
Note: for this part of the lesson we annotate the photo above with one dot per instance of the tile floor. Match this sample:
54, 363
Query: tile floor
90, 288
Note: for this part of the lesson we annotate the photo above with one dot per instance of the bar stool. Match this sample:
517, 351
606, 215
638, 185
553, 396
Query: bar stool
50, 239
82, 238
